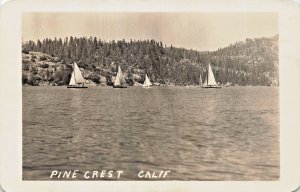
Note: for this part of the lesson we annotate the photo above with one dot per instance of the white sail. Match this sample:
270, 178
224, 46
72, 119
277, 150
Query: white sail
147, 82
72, 81
200, 80
210, 80
120, 80
76, 76
205, 81
117, 80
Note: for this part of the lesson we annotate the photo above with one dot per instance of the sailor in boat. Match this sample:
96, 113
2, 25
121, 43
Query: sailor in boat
81, 84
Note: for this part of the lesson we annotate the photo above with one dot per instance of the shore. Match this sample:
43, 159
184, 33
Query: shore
39, 69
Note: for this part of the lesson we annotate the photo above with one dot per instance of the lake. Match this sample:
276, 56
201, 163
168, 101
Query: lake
198, 134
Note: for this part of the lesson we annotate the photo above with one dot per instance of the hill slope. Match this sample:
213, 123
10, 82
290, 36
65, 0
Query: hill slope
48, 62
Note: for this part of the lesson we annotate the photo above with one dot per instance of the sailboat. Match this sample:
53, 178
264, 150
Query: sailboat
147, 83
210, 81
77, 80
120, 80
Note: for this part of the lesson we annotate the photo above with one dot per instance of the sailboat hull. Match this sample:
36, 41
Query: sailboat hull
119, 86
146, 86
211, 86
77, 87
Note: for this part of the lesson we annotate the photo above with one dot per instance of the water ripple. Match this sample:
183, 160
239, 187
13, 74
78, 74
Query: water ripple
199, 134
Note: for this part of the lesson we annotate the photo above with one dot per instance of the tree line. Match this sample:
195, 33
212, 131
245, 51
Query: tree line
252, 62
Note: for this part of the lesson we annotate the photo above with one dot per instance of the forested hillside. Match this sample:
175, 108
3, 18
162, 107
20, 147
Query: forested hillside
48, 61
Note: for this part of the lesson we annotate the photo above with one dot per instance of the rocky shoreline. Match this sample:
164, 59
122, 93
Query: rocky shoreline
39, 69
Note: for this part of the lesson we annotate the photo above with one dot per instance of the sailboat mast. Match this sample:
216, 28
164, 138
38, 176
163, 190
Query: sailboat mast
74, 72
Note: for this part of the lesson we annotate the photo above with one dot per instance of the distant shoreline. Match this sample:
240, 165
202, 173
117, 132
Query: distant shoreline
186, 86
50, 62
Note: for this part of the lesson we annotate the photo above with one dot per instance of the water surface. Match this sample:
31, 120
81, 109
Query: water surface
199, 134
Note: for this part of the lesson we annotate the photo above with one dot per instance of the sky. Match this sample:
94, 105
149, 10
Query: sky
204, 31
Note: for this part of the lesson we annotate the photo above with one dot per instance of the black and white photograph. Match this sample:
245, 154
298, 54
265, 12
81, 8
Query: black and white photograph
150, 96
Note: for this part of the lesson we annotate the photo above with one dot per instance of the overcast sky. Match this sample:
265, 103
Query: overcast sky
199, 31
